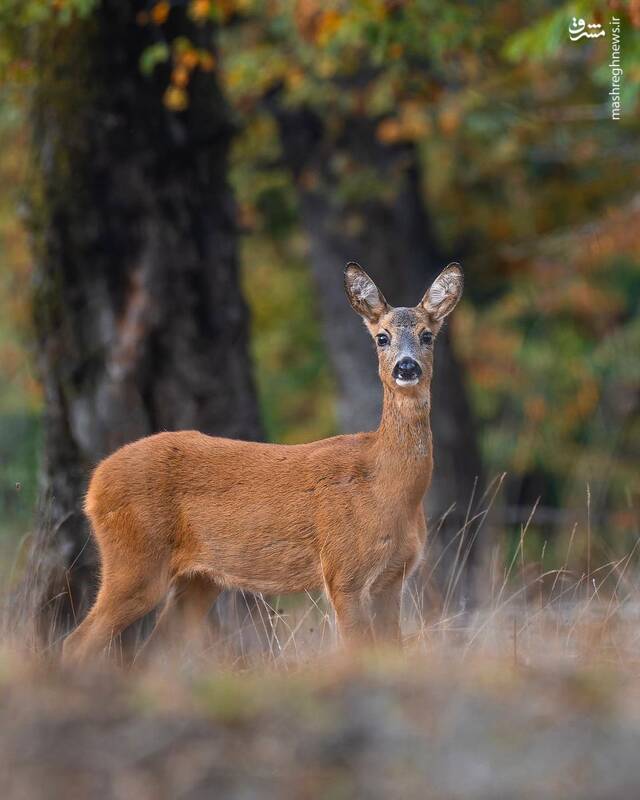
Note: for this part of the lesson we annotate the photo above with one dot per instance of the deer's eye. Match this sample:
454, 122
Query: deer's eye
382, 339
426, 337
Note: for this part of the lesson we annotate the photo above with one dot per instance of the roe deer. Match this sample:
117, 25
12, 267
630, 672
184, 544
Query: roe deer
197, 514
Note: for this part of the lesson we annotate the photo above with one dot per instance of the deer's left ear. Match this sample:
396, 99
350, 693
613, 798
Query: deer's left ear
443, 294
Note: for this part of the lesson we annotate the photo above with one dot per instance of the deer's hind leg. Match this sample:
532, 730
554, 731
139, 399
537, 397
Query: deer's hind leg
121, 601
135, 579
184, 615
385, 607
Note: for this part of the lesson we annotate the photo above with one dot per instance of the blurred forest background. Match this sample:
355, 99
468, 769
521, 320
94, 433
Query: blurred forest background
182, 183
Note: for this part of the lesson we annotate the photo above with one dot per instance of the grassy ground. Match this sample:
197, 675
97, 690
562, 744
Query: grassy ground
516, 701
535, 694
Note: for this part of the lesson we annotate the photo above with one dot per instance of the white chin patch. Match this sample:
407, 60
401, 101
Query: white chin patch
402, 382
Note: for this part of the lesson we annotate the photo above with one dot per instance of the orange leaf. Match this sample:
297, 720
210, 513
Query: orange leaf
160, 12
199, 9
207, 61
180, 77
189, 59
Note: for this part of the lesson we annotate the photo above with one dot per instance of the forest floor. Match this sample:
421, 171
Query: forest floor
545, 705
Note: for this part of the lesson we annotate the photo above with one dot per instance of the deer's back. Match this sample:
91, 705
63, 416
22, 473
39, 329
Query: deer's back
259, 513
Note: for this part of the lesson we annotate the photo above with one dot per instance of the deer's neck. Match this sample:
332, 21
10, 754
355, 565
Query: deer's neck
404, 452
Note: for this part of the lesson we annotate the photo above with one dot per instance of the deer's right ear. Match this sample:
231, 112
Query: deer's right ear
363, 294
443, 294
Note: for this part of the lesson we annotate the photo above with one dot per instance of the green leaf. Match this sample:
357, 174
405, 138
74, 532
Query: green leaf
152, 56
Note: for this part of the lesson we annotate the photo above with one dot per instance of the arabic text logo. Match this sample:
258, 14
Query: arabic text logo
579, 29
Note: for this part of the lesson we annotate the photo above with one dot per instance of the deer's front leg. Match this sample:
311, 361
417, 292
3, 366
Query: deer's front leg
353, 615
386, 612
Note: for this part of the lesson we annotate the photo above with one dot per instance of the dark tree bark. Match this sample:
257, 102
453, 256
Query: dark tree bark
389, 232
140, 322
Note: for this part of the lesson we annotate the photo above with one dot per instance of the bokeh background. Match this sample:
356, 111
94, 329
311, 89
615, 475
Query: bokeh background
181, 184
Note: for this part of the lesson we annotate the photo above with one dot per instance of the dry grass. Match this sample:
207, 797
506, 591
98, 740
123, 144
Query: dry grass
534, 694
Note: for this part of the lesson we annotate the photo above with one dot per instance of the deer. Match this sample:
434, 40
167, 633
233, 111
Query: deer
180, 516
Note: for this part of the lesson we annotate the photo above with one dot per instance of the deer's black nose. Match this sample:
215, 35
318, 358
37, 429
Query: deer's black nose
407, 370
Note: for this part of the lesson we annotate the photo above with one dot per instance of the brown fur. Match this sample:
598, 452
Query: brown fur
195, 514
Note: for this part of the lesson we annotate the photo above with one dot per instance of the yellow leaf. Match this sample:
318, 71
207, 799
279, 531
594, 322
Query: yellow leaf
175, 98
328, 25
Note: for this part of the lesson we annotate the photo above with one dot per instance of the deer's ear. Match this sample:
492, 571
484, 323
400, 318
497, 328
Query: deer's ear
363, 294
443, 294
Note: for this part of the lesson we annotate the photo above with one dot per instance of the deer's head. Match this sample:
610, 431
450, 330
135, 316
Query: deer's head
404, 337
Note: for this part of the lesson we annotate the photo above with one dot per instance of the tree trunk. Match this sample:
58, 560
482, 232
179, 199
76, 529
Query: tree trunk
388, 230
140, 322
